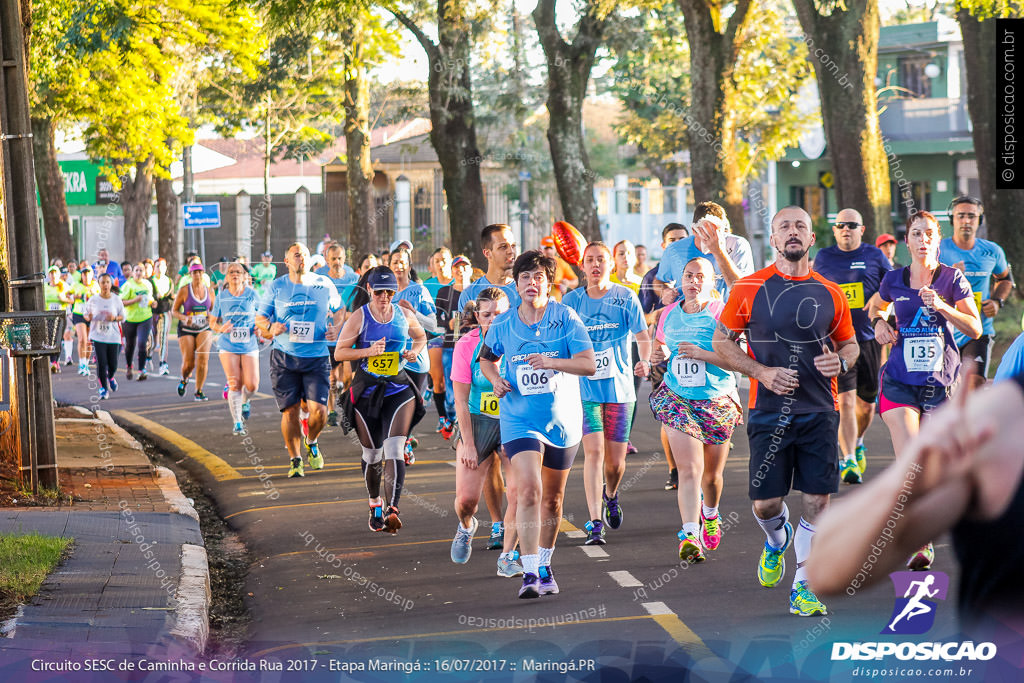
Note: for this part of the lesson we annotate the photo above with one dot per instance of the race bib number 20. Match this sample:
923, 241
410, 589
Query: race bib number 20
532, 382
605, 362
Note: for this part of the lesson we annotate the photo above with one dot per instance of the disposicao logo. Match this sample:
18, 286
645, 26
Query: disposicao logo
916, 593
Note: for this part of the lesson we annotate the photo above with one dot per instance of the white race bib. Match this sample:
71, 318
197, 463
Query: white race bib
690, 372
239, 335
197, 320
300, 332
532, 382
923, 354
55, 307
102, 326
605, 361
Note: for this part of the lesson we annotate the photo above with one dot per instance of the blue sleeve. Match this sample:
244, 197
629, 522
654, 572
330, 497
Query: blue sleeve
1001, 265
635, 315
464, 299
883, 288
493, 340
216, 307
1012, 363
666, 269
576, 336
425, 304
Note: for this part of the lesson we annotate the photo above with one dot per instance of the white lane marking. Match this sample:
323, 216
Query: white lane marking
576, 534
593, 551
625, 579
655, 608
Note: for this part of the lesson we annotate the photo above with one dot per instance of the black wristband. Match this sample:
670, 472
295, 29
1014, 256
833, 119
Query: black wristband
874, 321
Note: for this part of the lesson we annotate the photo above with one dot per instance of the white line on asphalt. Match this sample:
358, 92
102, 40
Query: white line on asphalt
593, 551
576, 534
655, 608
624, 579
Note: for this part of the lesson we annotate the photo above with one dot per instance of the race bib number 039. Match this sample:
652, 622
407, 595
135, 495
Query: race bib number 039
532, 382
489, 403
605, 362
854, 292
923, 354
690, 372
300, 332
386, 363
239, 335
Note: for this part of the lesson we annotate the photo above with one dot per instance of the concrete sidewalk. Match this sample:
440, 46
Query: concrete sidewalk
136, 582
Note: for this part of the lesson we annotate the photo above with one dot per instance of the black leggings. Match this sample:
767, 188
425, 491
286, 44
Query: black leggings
136, 334
106, 361
394, 419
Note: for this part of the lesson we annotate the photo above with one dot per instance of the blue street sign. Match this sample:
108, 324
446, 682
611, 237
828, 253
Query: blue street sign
202, 215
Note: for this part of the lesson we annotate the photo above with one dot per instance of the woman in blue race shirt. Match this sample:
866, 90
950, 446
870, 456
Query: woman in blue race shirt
234, 317
544, 345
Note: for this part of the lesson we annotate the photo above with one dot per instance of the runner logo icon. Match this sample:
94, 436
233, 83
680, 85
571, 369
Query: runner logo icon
914, 608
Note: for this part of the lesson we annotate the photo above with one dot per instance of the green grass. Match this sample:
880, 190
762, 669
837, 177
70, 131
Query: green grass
25, 561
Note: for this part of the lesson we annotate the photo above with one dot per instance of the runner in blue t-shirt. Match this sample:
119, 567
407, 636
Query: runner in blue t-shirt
234, 317
613, 317
499, 246
301, 311
980, 260
343, 277
858, 269
543, 344
930, 301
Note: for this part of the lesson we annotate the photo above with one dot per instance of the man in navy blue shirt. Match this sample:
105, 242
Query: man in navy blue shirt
858, 269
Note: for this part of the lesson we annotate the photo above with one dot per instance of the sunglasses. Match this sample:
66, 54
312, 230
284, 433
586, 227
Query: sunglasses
386, 292
848, 225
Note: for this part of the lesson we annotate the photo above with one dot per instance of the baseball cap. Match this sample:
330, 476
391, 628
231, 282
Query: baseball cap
399, 244
53, 269
883, 238
547, 241
196, 266
267, 253
460, 261
382, 279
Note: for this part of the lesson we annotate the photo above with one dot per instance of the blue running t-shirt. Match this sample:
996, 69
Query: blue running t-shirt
417, 295
980, 263
305, 308
480, 284
240, 311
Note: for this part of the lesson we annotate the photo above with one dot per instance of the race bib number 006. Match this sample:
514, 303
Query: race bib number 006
923, 354
605, 362
489, 403
385, 364
690, 372
532, 382
300, 332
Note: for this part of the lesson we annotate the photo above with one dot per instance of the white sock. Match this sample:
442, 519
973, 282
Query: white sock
851, 457
235, 405
464, 528
531, 564
503, 556
545, 556
691, 528
710, 513
303, 415
802, 546
860, 440
775, 528
245, 395
68, 349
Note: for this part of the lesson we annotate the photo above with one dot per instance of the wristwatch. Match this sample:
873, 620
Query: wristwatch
843, 365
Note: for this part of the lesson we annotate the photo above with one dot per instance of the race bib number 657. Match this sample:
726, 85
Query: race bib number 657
386, 363
532, 382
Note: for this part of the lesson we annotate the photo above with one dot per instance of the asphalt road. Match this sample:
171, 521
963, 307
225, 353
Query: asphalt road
328, 596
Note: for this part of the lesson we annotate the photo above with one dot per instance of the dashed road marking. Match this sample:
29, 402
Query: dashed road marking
624, 579
593, 551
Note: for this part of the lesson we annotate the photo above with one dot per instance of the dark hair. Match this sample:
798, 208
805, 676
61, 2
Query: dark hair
927, 215
600, 245
532, 260
361, 297
966, 199
366, 256
708, 209
487, 294
487, 234
673, 226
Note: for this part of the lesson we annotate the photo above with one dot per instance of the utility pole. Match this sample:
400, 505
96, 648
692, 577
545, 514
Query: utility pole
23, 238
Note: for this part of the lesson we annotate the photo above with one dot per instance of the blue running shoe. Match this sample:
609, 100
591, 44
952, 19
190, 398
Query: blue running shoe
462, 544
547, 581
612, 511
595, 532
377, 516
181, 387
103, 394
530, 587
239, 429
113, 384
772, 566
497, 539
509, 567
246, 410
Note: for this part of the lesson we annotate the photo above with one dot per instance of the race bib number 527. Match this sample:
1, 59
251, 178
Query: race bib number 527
300, 332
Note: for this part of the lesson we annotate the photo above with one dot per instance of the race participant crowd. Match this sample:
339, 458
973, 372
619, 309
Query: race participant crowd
539, 355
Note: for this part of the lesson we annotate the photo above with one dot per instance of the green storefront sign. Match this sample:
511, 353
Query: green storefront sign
84, 186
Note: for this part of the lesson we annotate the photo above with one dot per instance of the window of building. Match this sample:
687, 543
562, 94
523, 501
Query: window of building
912, 76
917, 196
811, 198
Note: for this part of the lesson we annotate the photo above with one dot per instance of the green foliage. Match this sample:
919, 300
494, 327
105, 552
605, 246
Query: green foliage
988, 9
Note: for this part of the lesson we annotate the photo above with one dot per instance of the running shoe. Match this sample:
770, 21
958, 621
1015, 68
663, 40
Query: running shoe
497, 539
332, 418
409, 454
449, 428
92, 359
804, 603
225, 392
239, 429
630, 448
296, 469
861, 454
440, 425
200, 396
547, 581
83, 369
246, 410
376, 516
690, 548
612, 511
427, 396
921, 561
710, 531
595, 532
128, 374
849, 471
55, 367
673, 481
316, 458
509, 567
462, 544
392, 522
113, 384
530, 587
181, 387
165, 369
69, 362
772, 566
103, 394
143, 376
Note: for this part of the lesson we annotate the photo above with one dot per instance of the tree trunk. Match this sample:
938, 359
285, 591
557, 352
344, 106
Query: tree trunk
844, 50
711, 124
1003, 209
50, 183
569, 67
363, 235
136, 202
167, 222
